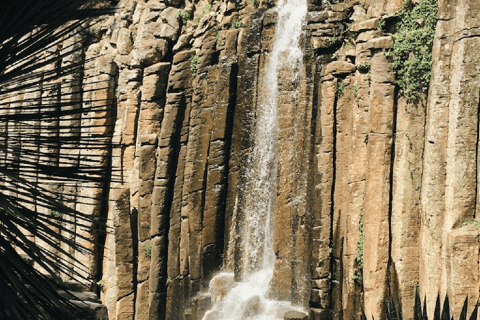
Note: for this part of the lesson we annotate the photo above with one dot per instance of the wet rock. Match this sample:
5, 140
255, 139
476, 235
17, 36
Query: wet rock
201, 304
251, 308
295, 315
221, 285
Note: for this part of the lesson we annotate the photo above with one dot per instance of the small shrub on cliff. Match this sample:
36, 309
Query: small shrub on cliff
205, 11
148, 249
357, 275
183, 15
474, 222
412, 46
340, 88
236, 24
193, 65
381, 24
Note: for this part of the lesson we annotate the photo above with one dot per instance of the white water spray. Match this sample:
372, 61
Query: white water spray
248, 299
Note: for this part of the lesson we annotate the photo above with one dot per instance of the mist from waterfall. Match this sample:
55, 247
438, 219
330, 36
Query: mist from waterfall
249, 299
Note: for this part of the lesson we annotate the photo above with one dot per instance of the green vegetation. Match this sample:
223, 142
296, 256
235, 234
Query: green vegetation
366, 137
57, 214
381, 24
217, 36
205, 11
183, 15
365, 67
236, 24
117, 92
101, 283
355, 89
349, 45
359, 258
147, 246
334, 38
474, 222
412, 46
193, 65
340, 88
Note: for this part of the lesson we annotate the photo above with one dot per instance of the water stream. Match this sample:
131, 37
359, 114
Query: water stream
249, 299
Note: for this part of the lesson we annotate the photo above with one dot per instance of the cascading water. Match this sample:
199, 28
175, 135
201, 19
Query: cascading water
248, 299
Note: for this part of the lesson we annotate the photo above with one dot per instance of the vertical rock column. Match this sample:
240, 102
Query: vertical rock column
95, 136
377, 197
461, 243
352, 297
434, 173
243, 124
70, 130
154, 87
222, 89
169, 178
292, 210
449, 257
48, 143
324, 183
405, 216
30, 148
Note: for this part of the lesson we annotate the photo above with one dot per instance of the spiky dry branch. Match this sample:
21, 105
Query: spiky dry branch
29, 29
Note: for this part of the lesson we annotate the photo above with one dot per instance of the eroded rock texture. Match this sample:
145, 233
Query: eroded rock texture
351, 151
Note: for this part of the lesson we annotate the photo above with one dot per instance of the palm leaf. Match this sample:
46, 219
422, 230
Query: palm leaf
29, 29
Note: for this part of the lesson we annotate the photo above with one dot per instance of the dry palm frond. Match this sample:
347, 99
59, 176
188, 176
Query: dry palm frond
28, 32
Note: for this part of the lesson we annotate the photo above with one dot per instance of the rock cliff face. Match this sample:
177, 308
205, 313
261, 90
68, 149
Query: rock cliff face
373, 191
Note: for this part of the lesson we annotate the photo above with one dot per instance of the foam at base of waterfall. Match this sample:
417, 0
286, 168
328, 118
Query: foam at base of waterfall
247, 300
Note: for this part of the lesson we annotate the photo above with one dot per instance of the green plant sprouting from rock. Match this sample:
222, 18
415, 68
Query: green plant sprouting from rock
205, 11
380, 25
365, 67
340, 88
236, 23
412, 46
359, 258
183, 15
147, 246
193, 65
217, 36
474, 222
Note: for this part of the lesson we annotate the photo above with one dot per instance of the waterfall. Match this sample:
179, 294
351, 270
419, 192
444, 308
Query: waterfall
248, 299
